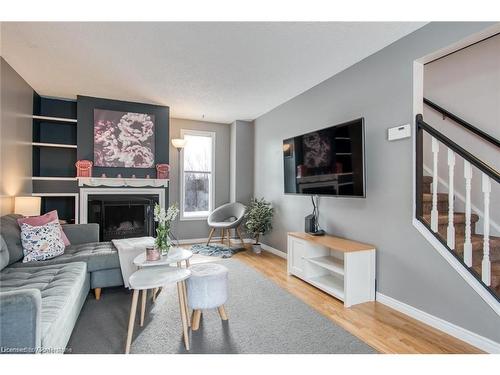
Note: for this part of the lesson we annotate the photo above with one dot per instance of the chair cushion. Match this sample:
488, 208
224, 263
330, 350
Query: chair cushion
4, 254
12, 235
97, 255
61, 287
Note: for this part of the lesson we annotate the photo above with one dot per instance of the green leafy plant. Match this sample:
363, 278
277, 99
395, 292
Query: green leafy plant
164, 220
258, 217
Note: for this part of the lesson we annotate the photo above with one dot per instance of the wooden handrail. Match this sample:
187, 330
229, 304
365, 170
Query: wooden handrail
463, 123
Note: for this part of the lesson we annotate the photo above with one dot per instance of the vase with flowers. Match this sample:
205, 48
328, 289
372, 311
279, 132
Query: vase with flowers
164, 219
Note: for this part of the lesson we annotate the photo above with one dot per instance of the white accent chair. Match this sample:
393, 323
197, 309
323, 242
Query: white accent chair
226, 217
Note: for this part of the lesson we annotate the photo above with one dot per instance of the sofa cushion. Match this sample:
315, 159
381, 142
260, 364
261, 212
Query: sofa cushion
97, 255
62, 287
11, 233
4, 254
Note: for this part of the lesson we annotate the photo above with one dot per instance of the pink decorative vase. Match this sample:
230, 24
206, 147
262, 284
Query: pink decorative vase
162, 171
84, 168
152, 254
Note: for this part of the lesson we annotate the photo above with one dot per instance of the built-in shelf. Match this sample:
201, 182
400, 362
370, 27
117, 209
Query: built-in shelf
60, 145
55, 119
330, 263
76, 214
343, 153
39, 178
330, 284
122, 182
343, 138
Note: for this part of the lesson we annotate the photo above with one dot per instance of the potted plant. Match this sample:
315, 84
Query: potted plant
164, 220
258, 220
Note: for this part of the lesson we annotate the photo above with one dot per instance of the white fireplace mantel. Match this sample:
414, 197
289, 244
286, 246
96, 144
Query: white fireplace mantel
85, 192
122, 182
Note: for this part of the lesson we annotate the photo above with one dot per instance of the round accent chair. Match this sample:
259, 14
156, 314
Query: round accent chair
207, 288
226, 217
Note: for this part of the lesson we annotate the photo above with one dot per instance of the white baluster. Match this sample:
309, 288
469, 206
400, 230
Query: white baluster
450, 233
467, 243
486, 265
434, 211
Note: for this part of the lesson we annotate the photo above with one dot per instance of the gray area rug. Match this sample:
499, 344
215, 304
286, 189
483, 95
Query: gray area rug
263, 318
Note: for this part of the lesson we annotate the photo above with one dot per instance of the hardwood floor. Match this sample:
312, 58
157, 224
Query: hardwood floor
381, 327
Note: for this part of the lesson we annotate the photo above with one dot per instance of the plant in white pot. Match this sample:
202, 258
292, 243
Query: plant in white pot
258, 220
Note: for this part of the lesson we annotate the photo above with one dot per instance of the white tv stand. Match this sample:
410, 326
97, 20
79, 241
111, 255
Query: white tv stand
342, 268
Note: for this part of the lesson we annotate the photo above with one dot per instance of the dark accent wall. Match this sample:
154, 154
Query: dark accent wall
85, 132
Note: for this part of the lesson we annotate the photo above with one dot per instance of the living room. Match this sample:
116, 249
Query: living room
249, 187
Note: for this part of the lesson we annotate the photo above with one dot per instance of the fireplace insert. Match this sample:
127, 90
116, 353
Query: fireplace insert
122, 216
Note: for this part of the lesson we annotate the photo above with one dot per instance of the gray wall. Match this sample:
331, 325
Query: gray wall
16, 128
467, 83
379, 89
242, 134
191, 229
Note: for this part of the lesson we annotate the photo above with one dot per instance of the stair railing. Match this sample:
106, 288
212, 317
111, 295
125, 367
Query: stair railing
488, 174
473, 129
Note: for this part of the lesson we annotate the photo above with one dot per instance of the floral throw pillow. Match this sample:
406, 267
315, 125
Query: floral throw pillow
41, 242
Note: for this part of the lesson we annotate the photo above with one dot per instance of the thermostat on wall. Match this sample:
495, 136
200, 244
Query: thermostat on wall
399, 132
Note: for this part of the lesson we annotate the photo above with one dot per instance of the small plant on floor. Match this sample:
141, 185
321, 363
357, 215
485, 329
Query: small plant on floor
258, 219
163, 230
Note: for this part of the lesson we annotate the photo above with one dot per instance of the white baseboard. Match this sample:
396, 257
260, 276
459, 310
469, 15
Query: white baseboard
451, 329
274, 251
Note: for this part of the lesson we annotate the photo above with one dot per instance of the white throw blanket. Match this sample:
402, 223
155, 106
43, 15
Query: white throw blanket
128, 249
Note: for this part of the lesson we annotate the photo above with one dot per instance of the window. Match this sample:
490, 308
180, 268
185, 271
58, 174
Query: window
197, 182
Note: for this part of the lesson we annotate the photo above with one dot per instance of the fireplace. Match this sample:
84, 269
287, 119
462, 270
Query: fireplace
122, 216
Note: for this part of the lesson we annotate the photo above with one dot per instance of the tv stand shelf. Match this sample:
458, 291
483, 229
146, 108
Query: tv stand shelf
340, 267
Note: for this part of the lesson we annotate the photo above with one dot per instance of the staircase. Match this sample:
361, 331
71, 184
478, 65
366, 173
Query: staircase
477, 240
459, 233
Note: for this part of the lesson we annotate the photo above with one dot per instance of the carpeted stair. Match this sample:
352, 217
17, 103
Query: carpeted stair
459, 223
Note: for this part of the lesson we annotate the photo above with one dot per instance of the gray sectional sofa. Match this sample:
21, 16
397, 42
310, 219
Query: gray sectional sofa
40, 301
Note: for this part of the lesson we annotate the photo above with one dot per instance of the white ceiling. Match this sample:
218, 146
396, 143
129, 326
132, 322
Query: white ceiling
222, 71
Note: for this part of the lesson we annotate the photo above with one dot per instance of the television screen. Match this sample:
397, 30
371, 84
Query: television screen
326, 162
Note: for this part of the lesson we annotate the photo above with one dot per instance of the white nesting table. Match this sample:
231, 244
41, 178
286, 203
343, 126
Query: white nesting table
176, 255
153, 278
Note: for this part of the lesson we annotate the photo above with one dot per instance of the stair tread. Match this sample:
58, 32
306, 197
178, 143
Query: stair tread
495, 269
441, 197
458, 218
427, 179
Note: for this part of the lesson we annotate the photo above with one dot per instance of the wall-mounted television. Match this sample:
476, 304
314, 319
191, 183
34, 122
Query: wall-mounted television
329, 161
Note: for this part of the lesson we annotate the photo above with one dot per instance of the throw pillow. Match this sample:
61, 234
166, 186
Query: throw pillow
38, 221
41, 242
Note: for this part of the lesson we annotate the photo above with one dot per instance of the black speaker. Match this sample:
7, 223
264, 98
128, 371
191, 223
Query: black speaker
310, 224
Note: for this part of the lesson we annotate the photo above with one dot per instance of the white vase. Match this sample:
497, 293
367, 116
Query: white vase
256, 248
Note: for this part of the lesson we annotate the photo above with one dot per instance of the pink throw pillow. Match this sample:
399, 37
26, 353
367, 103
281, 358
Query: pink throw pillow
38, 221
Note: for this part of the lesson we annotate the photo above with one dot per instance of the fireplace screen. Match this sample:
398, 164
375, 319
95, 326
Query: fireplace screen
122, 216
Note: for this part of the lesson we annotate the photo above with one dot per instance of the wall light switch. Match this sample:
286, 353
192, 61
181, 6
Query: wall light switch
399, 132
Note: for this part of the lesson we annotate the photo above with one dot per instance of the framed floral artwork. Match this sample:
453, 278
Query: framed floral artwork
124, 139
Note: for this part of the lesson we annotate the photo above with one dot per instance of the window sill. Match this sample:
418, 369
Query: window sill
194, 218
